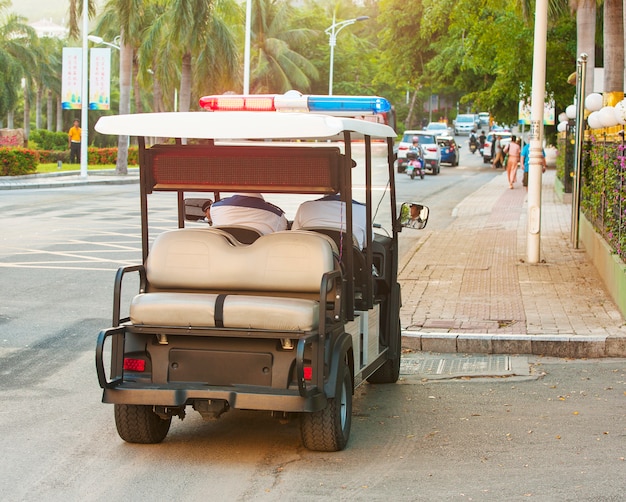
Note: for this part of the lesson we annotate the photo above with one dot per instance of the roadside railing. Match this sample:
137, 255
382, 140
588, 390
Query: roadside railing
603, 188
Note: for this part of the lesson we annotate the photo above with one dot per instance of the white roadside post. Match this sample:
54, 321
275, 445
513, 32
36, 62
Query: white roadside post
536, 132
84, 100
246, 51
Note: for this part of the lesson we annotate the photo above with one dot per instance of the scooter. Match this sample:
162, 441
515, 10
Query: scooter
473, 146
414, 165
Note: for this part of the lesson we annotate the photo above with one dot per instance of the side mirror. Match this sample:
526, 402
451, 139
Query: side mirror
414, 215
195, 209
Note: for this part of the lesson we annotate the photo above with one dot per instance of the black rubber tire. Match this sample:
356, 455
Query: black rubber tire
422, 174
413, 175
389, 372
329, 429
139, 424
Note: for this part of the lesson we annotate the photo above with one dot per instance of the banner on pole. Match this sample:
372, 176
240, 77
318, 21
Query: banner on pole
71, 78
525, 109
100, 79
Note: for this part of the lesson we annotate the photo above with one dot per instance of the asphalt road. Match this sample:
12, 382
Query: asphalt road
550, 430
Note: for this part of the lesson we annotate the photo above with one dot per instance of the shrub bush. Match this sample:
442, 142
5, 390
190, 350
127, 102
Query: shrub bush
48, 140
99, 156
53, 156
18, 161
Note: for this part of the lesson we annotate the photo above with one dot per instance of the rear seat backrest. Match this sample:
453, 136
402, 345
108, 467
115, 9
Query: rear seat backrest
197, 259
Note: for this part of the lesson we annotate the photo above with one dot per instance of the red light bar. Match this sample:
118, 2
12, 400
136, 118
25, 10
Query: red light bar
235, 103
134, 364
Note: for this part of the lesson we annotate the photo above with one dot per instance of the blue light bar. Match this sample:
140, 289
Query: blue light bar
348, 104
293, 101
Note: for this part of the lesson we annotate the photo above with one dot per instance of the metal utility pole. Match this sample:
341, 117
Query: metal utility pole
536, 132
581, 75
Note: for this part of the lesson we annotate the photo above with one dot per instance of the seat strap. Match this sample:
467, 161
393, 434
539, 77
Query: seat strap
219, 310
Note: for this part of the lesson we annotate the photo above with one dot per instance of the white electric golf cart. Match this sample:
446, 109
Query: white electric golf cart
289, 322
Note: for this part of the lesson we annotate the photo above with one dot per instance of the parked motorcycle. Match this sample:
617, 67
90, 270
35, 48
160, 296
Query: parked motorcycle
415, 165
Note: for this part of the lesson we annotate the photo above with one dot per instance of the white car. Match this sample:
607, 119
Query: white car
430, 147
505, 139
465, 123
441, 128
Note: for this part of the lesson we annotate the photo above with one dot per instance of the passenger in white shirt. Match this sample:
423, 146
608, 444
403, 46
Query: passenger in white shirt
250, 210
330, 212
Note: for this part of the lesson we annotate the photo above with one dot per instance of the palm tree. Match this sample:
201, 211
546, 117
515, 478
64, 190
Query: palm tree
16, 58
190, 32
276, 65
47, 75
124, 18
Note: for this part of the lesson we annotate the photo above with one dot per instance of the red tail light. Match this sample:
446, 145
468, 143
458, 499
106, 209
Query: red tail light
308, 373
134, 364
403, 148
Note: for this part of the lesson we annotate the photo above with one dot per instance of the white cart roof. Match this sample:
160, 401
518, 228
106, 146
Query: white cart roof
239, 125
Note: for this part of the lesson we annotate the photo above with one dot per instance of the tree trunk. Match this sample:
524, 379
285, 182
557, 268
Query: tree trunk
49, 110
126, 61
157, 95
26, 112
409, 117
38, 106
136, 90
185, 83
10, 120
586, 37
59, 114
613, 46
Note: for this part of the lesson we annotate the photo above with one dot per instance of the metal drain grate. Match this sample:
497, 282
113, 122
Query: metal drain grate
453, 366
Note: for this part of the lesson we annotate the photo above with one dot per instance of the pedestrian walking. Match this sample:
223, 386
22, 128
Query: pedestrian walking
74, 136
525, 161
497, 157
512, 151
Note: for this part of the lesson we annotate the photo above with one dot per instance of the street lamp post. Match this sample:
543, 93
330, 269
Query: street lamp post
332, 31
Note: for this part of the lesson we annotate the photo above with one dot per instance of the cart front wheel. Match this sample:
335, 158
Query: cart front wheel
139, 424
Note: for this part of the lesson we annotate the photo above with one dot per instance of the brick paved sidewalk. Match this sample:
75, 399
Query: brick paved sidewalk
467, 288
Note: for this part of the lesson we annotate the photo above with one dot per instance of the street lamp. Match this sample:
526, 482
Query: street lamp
99, 40
332, 31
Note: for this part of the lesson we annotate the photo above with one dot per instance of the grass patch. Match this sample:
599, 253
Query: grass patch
54, 168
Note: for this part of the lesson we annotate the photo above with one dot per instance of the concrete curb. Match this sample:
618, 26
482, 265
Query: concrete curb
540, 345
68, 179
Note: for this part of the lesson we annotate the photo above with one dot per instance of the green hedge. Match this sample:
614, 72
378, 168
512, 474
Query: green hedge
49, 140
18, 161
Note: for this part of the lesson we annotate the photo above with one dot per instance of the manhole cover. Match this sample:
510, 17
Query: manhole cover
455, 366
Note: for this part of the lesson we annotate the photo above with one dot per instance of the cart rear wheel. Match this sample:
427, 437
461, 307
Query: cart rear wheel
139, 424
329, 429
